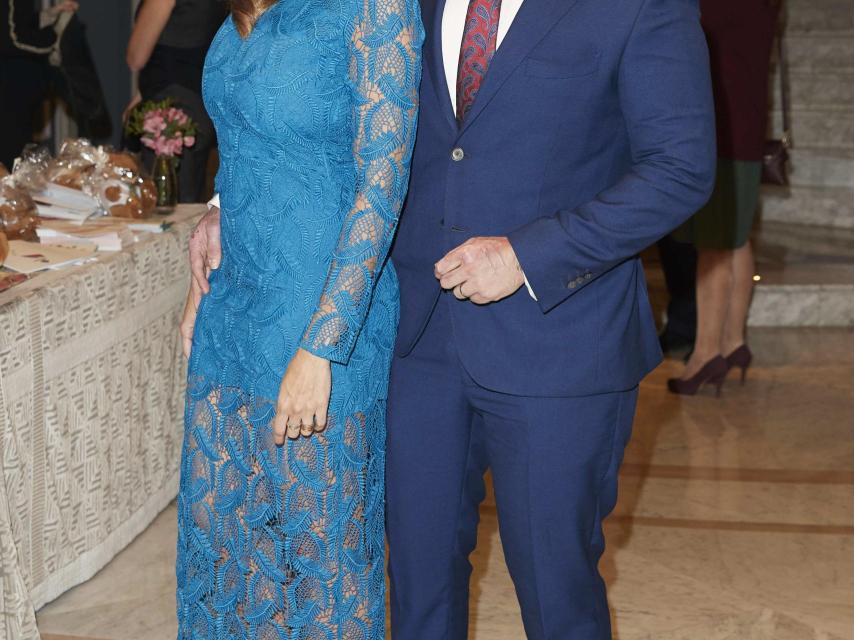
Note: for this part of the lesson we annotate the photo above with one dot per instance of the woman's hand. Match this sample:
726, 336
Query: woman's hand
137, 98
303, 397
49, 16
67, 6
188, 320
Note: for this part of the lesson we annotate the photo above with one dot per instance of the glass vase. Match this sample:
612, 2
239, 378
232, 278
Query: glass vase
165, 176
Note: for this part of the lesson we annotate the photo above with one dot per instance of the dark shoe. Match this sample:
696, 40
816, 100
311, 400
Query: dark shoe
741, 358
713, 372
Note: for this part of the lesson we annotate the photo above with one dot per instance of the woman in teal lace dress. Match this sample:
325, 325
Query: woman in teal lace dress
314, 103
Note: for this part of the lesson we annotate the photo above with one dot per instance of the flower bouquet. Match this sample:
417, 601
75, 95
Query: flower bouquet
166, 130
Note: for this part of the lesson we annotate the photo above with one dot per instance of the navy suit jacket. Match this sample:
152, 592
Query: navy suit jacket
591, 138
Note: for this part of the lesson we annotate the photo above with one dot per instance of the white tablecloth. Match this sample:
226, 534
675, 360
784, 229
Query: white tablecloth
91, 405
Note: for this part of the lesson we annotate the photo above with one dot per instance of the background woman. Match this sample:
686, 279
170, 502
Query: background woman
740, 34
27, 40
315, 107
167, 47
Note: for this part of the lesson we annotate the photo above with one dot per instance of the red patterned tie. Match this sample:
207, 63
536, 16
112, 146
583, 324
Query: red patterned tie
476, 51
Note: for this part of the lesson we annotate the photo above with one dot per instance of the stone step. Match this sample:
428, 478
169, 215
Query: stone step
821, 167
806, 276
819, 15
812, 90
819, 206
827, 128
821, 52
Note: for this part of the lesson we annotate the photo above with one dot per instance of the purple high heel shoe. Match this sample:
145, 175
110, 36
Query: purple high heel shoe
713, 372
741, 358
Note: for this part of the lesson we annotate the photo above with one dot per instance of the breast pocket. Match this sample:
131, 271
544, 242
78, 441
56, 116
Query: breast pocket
574, 66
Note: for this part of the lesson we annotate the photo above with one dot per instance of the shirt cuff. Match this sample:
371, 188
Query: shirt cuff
214, 202
528, 286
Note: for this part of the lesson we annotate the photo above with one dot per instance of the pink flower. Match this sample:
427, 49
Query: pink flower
153, 124
171, 146
160, 147
165, 130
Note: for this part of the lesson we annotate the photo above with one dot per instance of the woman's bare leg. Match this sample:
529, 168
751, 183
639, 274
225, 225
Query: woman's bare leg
743, 270
714, 286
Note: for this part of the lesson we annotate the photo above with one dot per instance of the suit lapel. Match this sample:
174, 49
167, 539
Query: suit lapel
432, 11
534, 20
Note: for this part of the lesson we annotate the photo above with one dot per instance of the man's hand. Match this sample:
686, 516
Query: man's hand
205, 249
482, 270
205, 254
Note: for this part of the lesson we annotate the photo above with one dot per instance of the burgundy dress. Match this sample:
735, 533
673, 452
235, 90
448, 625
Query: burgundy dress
741, 35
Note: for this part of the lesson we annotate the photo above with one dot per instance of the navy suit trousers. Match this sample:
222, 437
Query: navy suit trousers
554, 463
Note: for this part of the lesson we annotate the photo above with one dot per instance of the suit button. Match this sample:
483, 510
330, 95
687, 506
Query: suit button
572, 284
587, 276
457, 154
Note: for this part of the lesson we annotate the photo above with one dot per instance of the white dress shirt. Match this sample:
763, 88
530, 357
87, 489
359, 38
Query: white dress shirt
453, 25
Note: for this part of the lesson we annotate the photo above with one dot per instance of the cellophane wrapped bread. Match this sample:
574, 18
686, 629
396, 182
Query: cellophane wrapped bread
123, 192
18, 214
113, 178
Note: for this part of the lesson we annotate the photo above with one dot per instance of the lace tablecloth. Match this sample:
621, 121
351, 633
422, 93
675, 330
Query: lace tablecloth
91, 406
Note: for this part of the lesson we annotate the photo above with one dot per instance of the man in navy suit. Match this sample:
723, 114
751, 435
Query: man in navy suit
551, 150
557, 139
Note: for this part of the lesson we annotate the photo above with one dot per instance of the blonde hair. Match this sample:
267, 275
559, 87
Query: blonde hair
245, 14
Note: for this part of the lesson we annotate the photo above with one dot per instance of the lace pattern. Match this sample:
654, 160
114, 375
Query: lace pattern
315, 114
384, 72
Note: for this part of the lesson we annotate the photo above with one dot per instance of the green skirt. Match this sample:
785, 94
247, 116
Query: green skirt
726, 220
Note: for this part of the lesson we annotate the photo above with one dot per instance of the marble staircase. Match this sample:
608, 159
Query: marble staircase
805, 242
820, 42
805, 277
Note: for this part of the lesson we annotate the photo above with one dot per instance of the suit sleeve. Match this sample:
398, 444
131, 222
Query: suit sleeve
666, 99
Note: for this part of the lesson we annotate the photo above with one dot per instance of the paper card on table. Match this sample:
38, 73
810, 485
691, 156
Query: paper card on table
106, 233
67, 198
151, 224
9, 279
102, 242
30, 257
64, 213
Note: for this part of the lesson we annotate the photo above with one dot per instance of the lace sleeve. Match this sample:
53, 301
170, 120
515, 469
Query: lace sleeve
385, 70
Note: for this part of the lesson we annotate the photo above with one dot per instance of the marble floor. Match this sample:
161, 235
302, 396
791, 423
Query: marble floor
735, 522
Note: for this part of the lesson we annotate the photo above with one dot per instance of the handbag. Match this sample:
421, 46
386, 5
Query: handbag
775, 156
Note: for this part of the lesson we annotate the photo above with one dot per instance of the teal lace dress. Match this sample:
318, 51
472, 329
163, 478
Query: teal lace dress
315, 113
